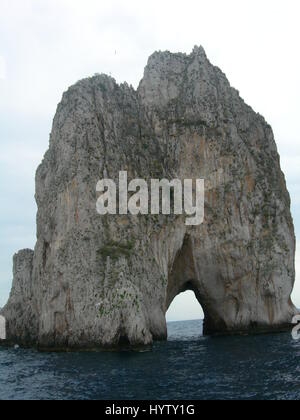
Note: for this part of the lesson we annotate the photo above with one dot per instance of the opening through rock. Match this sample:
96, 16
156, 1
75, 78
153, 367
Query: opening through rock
185, 307
185, 317
184, 297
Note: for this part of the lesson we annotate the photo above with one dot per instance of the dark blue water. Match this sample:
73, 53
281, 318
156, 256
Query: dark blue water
188, 366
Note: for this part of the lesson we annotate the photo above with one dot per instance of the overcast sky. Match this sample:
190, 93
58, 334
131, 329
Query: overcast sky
46, 46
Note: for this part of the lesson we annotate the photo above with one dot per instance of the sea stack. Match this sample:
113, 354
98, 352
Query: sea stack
100, 281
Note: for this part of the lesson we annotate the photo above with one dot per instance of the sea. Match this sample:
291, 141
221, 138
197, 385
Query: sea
186, 367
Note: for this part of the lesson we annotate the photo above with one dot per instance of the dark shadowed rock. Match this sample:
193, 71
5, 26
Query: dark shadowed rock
97, 281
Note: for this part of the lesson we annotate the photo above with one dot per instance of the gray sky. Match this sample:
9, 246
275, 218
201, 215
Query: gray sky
46, 46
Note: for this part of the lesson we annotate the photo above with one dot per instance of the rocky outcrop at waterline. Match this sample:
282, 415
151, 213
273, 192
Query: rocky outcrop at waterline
96, 281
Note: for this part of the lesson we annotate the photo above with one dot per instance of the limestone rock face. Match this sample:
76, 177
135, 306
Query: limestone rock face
20, 313
98, 281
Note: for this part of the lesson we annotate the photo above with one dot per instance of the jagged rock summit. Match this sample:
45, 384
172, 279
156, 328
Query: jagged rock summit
97, 281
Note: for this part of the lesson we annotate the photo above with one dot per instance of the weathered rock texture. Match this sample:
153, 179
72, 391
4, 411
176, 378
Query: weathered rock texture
97, 281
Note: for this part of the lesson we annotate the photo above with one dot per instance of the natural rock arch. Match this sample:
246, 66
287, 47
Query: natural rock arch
94, 281
184, 276
185, 307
